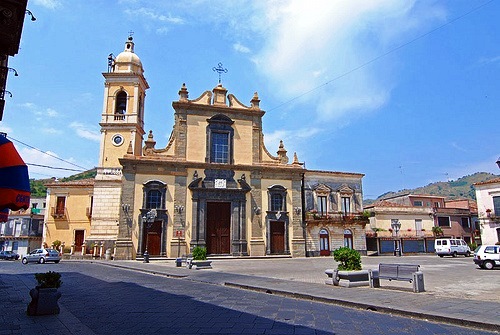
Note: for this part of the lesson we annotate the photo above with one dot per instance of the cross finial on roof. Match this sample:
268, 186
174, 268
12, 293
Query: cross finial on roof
219, 69
130, 33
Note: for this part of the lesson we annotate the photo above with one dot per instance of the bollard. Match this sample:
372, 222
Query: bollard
374, 279
418, 282
108, 254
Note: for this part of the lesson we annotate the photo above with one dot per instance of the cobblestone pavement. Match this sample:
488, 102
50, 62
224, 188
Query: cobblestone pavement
101, 299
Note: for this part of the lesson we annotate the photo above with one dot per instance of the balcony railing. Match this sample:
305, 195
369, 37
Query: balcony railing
58, 213
335, 217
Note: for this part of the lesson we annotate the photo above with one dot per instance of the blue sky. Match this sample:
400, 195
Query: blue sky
405, 92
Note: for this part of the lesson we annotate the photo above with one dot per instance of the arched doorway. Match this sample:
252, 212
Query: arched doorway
324, 243
348, 238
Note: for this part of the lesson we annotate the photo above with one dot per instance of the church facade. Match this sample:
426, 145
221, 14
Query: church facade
214, 184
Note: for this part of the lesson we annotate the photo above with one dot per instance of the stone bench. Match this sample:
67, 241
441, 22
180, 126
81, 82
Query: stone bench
400, 272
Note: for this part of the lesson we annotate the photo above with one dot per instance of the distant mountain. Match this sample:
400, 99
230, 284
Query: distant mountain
38, 189
455, 189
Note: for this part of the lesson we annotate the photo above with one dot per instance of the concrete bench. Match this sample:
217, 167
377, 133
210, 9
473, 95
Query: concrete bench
400, 272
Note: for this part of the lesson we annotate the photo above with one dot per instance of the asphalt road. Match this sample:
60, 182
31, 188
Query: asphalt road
105, 300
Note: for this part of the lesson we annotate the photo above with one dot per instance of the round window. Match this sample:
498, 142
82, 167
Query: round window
117, 140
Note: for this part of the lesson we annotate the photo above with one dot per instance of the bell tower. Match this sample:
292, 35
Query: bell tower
122, 129
122, 120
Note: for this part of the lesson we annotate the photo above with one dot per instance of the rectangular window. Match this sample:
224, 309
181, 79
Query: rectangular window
346, 205
465, 223
220, 148
444, 221
436, 204
60, 204
496, 206
153, 199
276, 202
418, 225
322, 207
418, 203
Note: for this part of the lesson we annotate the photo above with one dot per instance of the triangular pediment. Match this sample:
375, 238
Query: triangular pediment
322, 188
344, 189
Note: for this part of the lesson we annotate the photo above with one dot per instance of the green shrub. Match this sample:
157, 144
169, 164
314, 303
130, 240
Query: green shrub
348, 259
49, 279
199, 253
56, 244
472, 246
437, 231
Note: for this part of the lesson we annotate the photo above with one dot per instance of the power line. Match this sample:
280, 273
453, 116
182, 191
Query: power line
55, 168
383, 55
62, 160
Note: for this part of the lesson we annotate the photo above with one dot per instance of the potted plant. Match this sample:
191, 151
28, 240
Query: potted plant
199, 259
45, 295
437, 231
348, 272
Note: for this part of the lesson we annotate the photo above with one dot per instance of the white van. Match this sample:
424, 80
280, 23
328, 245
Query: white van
451, 247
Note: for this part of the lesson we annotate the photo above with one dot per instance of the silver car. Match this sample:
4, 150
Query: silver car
41, 256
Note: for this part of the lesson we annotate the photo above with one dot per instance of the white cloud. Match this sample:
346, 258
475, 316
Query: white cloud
152, 14
86, 131
51, 131
162, 30
51, 113
489, 60
50, 4
241, 48
322, 53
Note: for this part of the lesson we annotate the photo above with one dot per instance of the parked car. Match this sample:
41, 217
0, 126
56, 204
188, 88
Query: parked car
451, 247
10, 255
487, 256
41, 256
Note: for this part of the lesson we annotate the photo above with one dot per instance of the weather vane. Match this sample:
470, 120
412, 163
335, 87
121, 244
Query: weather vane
220, 70
130, 33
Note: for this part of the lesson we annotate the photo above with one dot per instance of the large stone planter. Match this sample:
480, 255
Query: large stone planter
44, 301
196, 264
348, 278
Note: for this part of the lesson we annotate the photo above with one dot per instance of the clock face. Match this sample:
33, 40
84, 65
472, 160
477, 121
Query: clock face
117, 140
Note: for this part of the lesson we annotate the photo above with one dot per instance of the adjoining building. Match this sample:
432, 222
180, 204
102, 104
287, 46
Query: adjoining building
406, 223
22, 232
488, 204
213, 185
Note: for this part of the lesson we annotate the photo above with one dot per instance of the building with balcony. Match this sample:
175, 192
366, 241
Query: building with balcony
23, 230
488, 207
333, 204
69, 213
413, 235
405, 222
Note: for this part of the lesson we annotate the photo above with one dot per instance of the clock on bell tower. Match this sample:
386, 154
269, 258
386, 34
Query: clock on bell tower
122, 120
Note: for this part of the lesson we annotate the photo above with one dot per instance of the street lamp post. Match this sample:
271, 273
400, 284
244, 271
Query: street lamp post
148, 220
396, 226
